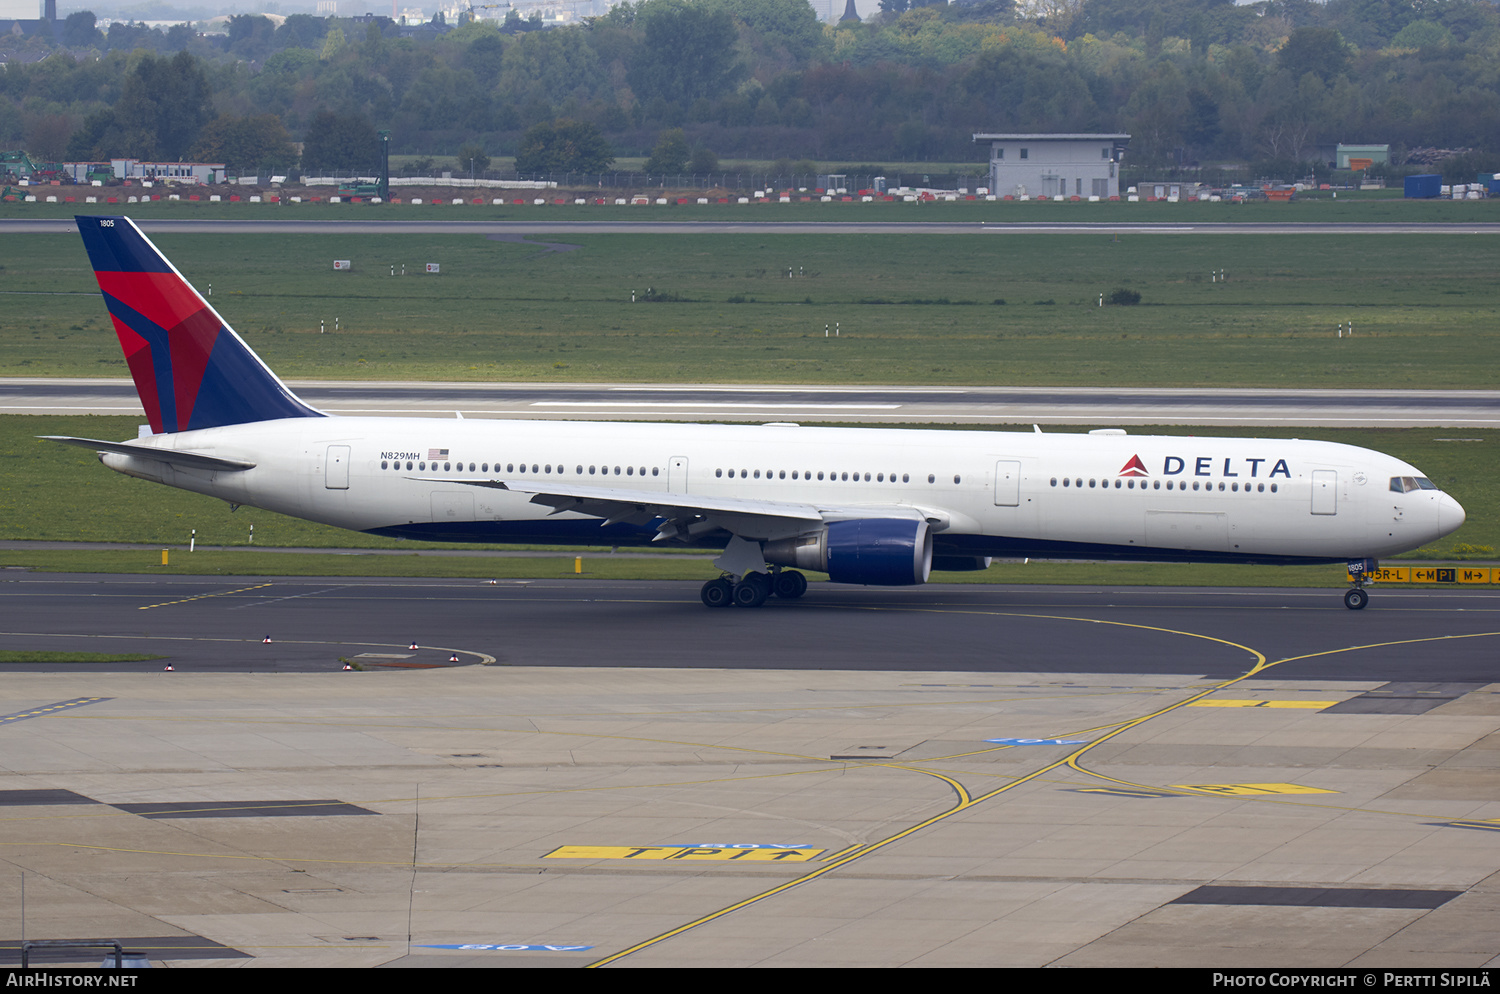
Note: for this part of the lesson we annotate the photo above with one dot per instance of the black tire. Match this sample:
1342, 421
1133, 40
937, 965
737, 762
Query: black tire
752, 591
717, 593
1356, 599
789, 585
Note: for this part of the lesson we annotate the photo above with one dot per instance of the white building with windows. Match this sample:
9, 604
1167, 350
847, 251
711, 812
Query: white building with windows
192, 173
1035, 165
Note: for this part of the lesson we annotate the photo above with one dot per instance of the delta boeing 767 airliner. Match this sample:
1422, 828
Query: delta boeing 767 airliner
863, 505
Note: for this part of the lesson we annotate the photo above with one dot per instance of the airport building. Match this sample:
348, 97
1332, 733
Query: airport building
1359, 157
191, 173
1037, 165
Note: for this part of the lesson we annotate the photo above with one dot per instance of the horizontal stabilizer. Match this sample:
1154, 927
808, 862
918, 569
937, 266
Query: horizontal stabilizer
194, 460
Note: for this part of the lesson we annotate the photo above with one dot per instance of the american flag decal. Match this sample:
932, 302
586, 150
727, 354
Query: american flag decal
437, 453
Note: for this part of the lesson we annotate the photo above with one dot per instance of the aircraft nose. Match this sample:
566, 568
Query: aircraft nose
1450, 515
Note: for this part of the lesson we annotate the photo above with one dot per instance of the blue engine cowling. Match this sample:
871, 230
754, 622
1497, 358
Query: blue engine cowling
886, 552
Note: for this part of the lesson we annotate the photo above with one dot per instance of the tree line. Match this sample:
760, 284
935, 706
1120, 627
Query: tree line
695, 80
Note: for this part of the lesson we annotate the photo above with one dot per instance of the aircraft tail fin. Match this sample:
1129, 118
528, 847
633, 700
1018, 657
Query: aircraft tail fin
190, 368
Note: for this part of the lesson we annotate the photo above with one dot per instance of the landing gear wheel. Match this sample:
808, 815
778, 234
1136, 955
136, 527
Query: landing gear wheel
752, 591
1356, 599
789, 584
717, 593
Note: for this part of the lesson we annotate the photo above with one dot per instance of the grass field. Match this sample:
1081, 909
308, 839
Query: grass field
53, 658
60, 493
910, 309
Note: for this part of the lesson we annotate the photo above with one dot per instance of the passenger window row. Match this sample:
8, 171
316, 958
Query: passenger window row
1077, 483
579, 470
832, 477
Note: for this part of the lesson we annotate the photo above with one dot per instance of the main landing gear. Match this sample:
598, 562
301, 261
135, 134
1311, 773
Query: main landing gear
753, 589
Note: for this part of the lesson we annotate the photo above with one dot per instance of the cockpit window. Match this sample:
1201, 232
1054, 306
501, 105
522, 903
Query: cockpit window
1406, 484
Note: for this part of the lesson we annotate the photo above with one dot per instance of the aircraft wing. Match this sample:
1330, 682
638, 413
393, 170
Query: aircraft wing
685, 515
194, 460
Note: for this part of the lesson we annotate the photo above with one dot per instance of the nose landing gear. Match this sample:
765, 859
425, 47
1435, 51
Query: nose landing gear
1360, 570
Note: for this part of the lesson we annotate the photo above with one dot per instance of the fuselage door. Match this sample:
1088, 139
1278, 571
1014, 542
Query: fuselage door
677, 475
1007, 483
336, 469
1325, 491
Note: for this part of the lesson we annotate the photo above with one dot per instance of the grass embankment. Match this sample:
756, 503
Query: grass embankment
909, 309
52, 658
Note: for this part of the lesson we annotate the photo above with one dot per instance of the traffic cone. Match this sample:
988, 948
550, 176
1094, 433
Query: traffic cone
413, 646
348, 667
168, 668
266, 640
453, 658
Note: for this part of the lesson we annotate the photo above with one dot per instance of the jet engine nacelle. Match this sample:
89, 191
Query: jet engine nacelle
886, 552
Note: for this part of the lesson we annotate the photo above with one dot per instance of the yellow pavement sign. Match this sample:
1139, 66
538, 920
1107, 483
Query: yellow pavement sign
744, 855
1251, 789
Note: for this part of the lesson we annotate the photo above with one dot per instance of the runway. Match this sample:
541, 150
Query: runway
811, 403
948, 775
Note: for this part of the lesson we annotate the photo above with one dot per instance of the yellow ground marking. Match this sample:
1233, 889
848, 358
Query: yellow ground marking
217, 593
1263, 665
77, 702
685, 852
1252, 789
965, 799
1223, 702
1488, 824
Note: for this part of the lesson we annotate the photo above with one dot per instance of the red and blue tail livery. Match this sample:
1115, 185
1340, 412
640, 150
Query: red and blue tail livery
190, 368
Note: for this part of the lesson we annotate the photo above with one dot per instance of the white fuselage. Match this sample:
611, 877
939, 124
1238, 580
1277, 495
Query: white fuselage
983, 492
